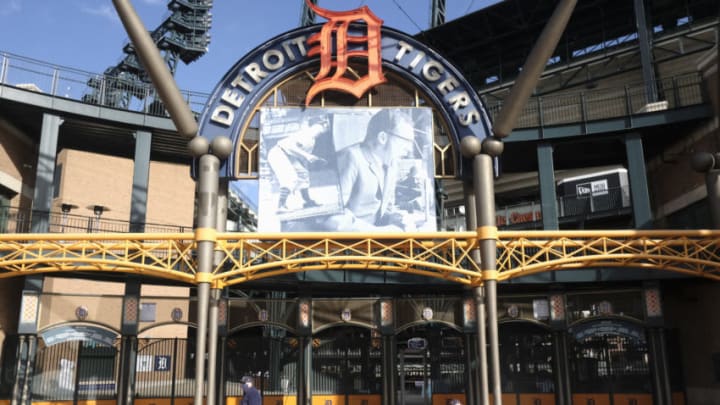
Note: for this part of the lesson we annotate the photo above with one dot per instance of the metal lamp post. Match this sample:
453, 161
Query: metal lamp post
209, 157
65, 208
482, 155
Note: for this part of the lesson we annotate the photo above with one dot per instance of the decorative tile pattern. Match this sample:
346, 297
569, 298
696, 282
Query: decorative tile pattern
222, 313
130, 314
557, 308
29, 308
653, 306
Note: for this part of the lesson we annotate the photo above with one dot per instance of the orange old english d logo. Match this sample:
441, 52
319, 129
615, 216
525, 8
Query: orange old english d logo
337, 29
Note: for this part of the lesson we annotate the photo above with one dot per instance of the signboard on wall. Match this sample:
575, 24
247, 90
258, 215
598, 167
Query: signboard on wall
232, 106
78, 332
346, 169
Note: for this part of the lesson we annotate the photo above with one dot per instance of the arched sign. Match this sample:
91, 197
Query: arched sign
235, 99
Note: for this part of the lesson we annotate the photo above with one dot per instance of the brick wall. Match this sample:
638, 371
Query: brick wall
89, 179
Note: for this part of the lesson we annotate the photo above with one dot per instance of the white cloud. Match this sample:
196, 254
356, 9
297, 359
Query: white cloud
10, 7
104, 11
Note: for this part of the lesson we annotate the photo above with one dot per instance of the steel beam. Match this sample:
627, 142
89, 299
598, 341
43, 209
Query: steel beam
45, 172
141, 179
483, 397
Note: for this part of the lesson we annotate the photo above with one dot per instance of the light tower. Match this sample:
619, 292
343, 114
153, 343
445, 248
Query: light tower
182, 36
308, 16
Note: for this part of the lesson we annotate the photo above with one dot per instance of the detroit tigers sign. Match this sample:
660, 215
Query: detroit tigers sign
246, 85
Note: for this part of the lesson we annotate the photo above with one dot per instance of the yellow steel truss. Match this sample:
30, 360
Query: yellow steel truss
446, 255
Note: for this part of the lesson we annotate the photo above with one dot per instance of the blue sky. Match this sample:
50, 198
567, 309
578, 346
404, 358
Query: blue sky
87, 35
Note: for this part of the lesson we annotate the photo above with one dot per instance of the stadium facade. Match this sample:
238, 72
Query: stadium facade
605, 143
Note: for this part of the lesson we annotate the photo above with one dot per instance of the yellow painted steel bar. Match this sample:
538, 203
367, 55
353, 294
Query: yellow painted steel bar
445, 255
655, 233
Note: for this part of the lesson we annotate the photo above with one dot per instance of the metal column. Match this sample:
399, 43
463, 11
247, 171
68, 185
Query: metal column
487, 233
304, 381
483, 396
27, 344
207, 185
141, 178
645, 43
32, 343
665, 375
389, 369
482, 154
469, 374
638, 181
656, 343
45, 172
562, 374
216, 295
658, 366
208, 158
128, 347
208, 166
546, 179
483, 182
483, 170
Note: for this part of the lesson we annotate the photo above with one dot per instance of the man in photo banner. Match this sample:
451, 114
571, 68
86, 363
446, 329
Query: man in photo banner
371, 170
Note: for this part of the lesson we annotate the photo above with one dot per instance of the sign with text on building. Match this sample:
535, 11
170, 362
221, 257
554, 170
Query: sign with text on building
85, 333
232, 107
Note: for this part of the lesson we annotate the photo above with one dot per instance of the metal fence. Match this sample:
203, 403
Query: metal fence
609, 202
165, 368
568, 108
14, 220
76, 370
59, 81
92, 88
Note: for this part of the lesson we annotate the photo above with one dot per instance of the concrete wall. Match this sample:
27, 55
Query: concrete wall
62, 297
103, 301
166, 299
673, 183
90, 179
18, 155
171, 194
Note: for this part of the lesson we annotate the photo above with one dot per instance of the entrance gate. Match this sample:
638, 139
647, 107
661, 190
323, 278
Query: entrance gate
431, 366
347, 367
164, 372
610, 364
267, 354
77, 372
528, 364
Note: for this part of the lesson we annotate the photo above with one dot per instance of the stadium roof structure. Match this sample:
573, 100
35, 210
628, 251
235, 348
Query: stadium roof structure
491, 44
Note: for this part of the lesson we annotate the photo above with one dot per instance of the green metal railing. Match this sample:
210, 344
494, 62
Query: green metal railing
555, 109
607, 103
15, 220
92, 88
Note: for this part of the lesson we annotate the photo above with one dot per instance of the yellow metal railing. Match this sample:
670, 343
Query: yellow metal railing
445, 255
691, 252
